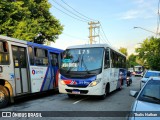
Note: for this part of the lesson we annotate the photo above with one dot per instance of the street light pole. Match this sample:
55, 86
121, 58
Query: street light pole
146, 30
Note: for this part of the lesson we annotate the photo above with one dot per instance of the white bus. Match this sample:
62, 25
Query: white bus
25, 68
91, 70
138, 70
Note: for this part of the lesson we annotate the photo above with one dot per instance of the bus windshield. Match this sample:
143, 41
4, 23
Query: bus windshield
82, 59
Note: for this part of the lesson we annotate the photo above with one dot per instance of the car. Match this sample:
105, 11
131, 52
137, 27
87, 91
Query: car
147, 75
147, 103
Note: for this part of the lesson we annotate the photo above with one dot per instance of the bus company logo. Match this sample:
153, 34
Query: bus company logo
37, 72
73, 82
33, 72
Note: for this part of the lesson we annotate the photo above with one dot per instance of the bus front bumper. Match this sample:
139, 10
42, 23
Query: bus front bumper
95, 90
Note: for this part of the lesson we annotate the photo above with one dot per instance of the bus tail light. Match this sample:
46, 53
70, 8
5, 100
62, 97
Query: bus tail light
94, 83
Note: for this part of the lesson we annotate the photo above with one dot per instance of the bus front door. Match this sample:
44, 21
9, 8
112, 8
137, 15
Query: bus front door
20, 69
55, 69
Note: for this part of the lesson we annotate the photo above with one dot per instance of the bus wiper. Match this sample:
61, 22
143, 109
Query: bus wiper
155, 98
85, 66
68, 71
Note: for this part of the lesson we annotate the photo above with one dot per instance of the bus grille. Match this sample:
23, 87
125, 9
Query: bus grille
76, 86
81, 91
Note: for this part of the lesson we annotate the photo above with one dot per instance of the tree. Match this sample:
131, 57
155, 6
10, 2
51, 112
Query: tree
149, 53
123, 50
131, 61
29, 20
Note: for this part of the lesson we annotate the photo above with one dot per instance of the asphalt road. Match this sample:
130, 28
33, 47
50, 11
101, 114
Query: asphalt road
117, 101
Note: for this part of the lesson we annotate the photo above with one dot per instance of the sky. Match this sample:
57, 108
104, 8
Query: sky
117, 17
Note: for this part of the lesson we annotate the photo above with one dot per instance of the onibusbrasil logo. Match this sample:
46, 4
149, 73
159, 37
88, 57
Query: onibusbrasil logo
33, 72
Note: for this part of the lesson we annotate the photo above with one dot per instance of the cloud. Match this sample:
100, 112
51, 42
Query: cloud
131, 14
140, 9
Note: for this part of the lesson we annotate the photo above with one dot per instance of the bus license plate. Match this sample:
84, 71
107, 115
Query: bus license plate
75, 92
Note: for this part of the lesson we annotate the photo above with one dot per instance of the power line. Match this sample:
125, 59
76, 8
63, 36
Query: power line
74, 36
77, 11
79, 17
100, 36
104, 34
68, 14
103, 40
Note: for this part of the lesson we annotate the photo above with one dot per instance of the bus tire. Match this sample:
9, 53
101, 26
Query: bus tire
102, 97
4, 96
71, 95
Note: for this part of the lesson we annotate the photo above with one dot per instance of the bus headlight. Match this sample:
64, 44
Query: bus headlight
62, 82
94, 83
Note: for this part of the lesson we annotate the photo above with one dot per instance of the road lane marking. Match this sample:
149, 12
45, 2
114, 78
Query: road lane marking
80, 100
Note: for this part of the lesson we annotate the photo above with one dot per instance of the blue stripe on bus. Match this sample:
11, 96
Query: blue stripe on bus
78, 82
45, 78
52, 77
91, 78
55, 50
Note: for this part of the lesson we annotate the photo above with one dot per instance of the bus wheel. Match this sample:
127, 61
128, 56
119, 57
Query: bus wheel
102, 97
4, 96
71, 95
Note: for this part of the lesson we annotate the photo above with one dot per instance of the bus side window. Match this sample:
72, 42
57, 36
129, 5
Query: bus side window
31, 55
4, 53
54, 59
124, 62
3, 47
106, 61
41, 56
112, 58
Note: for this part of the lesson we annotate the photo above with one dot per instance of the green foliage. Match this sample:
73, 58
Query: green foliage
149, 52
131, 61
123, 50
25, 19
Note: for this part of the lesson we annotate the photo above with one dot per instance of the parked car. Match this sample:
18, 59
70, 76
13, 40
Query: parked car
147, 101
147, 75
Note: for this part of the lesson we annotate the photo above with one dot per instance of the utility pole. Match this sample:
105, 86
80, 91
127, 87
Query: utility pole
92, 31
